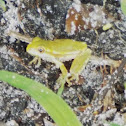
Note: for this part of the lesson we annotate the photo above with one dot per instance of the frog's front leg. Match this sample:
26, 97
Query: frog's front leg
79, 64
36, 60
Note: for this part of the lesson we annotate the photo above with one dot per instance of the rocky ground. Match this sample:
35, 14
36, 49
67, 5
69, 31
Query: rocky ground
99, 98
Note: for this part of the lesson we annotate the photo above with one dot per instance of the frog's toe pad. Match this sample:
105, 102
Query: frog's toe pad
75, 81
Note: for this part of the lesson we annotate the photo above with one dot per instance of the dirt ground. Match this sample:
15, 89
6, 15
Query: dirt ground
99, 98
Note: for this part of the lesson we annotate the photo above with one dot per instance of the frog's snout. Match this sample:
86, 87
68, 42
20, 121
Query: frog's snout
29, 49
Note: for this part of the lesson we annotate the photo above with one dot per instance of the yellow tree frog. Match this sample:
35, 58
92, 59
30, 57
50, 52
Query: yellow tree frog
59, 51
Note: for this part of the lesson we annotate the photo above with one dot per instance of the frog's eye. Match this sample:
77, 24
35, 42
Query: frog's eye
41, 50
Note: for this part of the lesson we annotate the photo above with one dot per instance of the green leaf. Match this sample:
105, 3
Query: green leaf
2, 5
123, 6
114, 124
125, 85
56, 107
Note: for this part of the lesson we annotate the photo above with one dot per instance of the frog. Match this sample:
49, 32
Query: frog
58, 51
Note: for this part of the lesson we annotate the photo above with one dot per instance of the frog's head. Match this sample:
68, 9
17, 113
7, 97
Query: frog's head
36, 47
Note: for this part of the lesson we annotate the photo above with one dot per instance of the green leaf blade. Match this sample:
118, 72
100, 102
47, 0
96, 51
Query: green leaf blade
2, 5
123, 6
52, 103
125, 85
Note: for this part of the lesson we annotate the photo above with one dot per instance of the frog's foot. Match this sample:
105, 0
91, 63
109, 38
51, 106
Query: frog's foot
36, 60
66, 79
72, 79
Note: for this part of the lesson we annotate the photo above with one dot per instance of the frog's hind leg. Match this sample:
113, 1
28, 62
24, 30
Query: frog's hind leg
79, 64
63, 77
63, 69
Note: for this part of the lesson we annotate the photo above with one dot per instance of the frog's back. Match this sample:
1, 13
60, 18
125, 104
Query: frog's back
66, 46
